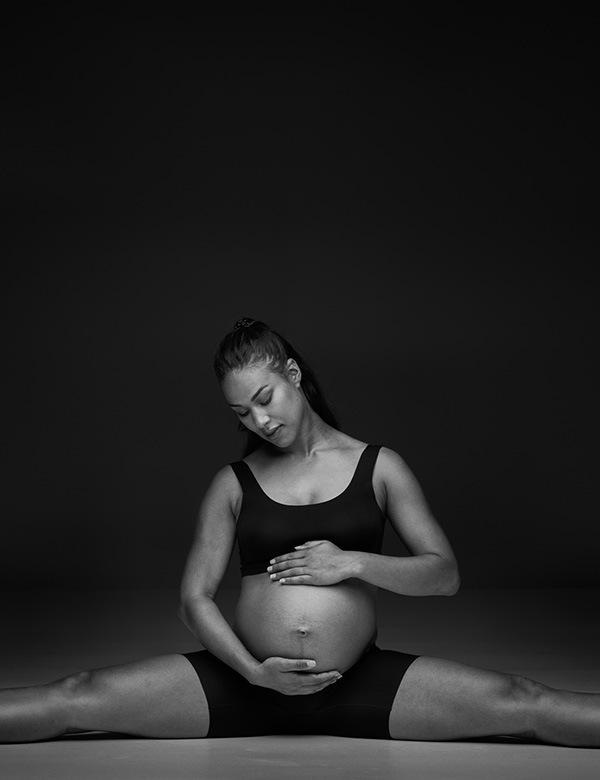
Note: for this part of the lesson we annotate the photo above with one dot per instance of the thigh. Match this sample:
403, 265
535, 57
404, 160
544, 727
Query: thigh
440, 700
159, 697
359, 705
237, 708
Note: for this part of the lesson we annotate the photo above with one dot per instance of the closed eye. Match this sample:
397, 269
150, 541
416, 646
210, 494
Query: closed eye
266, 402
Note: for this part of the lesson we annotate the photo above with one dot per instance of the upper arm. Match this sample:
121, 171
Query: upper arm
214, 537
407, 508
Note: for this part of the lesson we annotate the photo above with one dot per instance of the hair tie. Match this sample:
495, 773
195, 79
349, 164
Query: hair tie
243, 323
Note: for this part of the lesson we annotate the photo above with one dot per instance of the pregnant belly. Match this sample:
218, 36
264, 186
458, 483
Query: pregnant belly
333, 625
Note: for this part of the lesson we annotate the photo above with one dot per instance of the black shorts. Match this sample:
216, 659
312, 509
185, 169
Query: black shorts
358, 705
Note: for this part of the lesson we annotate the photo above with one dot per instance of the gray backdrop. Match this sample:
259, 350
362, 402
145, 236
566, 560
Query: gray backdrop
409, 202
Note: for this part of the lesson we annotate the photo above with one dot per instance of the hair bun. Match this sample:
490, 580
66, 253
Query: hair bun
243, 323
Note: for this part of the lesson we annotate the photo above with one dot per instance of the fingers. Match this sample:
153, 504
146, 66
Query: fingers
318, 682
307, 545
297, 679
294, 571
307, 690
324, 677
295, 664
283, 561
304, 665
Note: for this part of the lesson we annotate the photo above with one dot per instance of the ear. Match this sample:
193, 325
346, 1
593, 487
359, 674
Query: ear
293, 372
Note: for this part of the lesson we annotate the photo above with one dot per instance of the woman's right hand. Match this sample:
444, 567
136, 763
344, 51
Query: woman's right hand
292, 676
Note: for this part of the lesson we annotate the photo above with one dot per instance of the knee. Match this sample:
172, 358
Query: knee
523, 697
75, 686
524, 691
67, 697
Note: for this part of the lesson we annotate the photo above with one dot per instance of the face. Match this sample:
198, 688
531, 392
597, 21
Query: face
266, 402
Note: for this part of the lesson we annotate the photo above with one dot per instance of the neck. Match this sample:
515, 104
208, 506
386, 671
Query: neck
314, 435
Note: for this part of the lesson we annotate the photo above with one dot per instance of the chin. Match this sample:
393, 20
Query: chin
279, 440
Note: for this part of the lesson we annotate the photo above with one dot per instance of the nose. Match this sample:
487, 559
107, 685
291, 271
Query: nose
261, 419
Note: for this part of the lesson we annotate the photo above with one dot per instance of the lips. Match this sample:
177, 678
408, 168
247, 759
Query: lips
270, 434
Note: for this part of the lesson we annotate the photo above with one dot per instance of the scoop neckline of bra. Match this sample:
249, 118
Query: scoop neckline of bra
318, 503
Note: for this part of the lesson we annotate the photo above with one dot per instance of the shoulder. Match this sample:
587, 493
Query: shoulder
391, 470
389, 460
225, 480
224, 489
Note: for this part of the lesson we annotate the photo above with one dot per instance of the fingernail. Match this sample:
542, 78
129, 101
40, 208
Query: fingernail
281, 581
273, 561
269, 568
273, 576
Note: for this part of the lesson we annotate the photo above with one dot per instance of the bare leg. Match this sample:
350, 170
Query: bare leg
439, 700
159, 697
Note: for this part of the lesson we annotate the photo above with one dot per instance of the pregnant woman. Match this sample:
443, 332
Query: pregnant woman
307, 505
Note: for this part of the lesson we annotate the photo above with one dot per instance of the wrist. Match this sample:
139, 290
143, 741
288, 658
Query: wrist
355, 565
251, 673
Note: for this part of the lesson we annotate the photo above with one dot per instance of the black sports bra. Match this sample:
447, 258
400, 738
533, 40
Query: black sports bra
265, 528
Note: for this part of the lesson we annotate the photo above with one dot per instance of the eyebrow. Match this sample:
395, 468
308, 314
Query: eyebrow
256, 394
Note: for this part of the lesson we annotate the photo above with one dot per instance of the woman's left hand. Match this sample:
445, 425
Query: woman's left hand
312, 563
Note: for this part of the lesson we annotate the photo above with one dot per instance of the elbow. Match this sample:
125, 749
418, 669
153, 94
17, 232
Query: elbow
449, 581
188, 606
182, 611
452, 581
453, 586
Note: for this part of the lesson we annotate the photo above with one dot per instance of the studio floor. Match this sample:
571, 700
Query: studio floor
550, 635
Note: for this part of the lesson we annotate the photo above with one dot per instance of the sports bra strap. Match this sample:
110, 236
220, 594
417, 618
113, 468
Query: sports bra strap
244, 474
364, 470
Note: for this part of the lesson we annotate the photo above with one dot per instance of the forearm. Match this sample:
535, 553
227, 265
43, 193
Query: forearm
205, 620
419, 575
